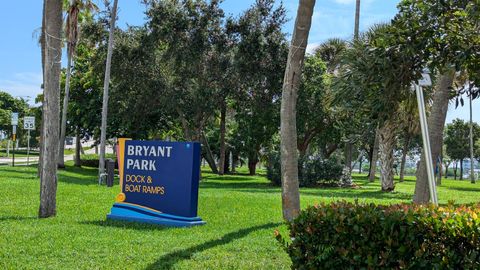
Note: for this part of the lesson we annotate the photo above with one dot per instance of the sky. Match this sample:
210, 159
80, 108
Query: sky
20, 61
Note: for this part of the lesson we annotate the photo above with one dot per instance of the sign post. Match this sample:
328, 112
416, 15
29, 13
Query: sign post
28, 124
158, 182
14, 134
426, 81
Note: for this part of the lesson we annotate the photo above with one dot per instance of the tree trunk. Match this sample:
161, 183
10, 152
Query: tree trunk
78, 147
63, 129
43, 46
357, 19
439, 171
446, 170
221, 162
360, 165
252, 163
436, 124
226, 167
234, 162
472, 172
348, 155
208, 154
406, 146
106, 83
461, 169
51, 108
288, 125
386, 147
455, 170
373, 163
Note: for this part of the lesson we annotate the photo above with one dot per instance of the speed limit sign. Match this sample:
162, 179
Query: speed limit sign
29, 122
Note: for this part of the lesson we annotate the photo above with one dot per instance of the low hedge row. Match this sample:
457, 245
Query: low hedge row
312, 171
92, 160
346, 235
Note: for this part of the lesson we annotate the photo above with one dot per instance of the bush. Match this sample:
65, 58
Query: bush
366, 236
312, 171
92, 160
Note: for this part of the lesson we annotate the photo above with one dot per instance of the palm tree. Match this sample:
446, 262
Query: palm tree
357, 19
288, 127
436, 124
370, 79
410, 124
106, 82
53, 48
330, 52
74, 10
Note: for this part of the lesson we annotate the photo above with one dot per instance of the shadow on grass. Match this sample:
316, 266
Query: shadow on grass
468, 189
70, 174
18, 218
169, 260
125, 225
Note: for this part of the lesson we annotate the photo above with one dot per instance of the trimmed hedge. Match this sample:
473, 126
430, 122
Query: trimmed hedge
346, 235
91, 160
312, 171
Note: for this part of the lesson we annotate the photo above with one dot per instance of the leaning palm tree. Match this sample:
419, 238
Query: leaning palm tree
288, 128
75, 8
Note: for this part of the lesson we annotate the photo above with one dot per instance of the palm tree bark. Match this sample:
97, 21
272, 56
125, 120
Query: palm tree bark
51, 108
406, 146
386, 147
348, 155
42, 44
472, 172
78, 148
288, 125
373, 163
357, 19
106, 83
436, 124
63, 129
221, 162
461, 169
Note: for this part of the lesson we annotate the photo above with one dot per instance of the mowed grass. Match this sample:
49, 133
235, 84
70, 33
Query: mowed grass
241, 212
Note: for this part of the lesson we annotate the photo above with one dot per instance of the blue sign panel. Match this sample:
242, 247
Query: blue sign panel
159, 182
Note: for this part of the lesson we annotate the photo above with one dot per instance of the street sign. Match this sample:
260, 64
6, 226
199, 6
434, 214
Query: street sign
425, 80
29, 123
14, 118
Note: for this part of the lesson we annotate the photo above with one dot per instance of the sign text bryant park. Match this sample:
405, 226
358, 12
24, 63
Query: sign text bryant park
146, 151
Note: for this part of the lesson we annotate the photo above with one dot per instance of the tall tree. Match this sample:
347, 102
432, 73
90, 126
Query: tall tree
439, 35
357, 19
288, 127
72, 33
106, 84
51, 108
261, 44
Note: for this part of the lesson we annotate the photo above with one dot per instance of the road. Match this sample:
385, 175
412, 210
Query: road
22, 161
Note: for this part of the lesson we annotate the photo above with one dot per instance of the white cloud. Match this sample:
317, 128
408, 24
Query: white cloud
26, 85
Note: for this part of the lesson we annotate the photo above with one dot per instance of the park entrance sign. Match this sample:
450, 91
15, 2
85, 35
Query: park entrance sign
158, 182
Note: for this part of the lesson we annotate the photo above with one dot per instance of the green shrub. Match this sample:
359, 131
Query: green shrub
92, 160
346, 235
312, 171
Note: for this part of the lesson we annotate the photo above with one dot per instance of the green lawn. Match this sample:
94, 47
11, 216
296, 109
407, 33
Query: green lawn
241, 212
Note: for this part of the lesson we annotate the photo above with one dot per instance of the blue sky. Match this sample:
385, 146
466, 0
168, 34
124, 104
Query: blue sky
20, 62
